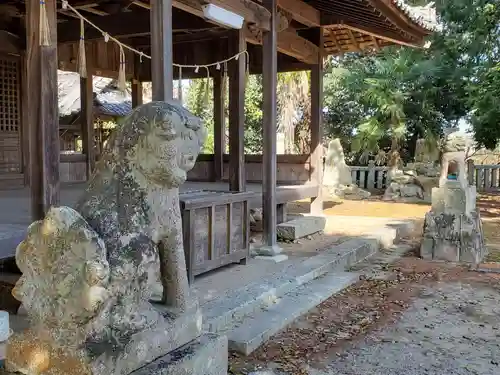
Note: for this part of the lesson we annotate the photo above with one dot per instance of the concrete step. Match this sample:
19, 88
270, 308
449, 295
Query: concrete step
224, 311
258, 327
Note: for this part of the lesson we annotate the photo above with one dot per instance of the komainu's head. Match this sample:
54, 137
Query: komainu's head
161, 140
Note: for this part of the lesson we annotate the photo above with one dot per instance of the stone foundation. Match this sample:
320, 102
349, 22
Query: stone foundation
207, 355
453, 237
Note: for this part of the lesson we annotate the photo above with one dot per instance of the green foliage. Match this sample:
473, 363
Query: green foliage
253, 115
199, 101
486, 104
392, 98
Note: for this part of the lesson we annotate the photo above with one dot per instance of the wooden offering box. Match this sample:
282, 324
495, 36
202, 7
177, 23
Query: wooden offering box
215, 227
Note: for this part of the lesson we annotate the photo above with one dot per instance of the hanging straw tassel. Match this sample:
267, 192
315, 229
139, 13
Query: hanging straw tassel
44, 25
82, 60
247, 67
122, 81
179, 86
207, 88
224, 78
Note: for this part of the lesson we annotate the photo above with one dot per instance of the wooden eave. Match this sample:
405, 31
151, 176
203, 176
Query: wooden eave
349, 25
373, 23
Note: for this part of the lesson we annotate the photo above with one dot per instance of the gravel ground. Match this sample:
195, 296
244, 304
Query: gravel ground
450, 329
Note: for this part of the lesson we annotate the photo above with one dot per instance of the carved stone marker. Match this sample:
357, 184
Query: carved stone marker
452, 229
337, 177
88, 273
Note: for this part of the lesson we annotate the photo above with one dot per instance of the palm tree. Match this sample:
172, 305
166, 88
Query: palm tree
384, 85
294, 102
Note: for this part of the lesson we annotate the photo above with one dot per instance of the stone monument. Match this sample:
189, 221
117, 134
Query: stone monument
337, 179
88, 272
452, 228
414, 183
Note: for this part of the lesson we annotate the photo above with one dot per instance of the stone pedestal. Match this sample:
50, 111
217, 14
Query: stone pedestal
452, 229
206, 355
89, 272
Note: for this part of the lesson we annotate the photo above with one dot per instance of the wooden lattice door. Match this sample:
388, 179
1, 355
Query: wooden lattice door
10, 117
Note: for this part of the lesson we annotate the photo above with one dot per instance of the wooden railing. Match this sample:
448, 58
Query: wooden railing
485, 177
370, 177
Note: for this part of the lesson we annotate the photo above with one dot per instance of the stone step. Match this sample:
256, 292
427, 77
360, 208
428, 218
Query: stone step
386, 231
224, 311
300, 227
258, 327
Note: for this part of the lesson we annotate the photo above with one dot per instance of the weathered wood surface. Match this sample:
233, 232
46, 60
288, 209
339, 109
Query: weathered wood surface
137, 99
317, 125
269, 124
291, 169
219, 126
87, 122
161, 49
218, 229
42, 110
289, 43
301, 12
237, 73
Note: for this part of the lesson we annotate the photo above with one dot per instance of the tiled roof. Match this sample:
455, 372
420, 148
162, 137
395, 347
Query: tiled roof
108, 100
424, 16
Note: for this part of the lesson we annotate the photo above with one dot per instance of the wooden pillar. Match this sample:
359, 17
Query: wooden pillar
161, 49
136, 93
42, 110
317, 126
237, 178
87, 122
136, 83
269, 87
219, 126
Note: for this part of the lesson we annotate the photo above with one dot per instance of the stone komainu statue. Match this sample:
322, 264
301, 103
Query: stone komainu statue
454, 141
88, 272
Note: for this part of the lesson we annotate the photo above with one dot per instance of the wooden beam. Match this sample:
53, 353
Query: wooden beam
219, 125
252, 13
378, 35
301, 12
10, 43
376, 43
161, 50
333, 38
90, 8
142, 4
353, 40
126, 24
87, 122
289, 43
42, 116
237, 176
317, 127
269, 126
